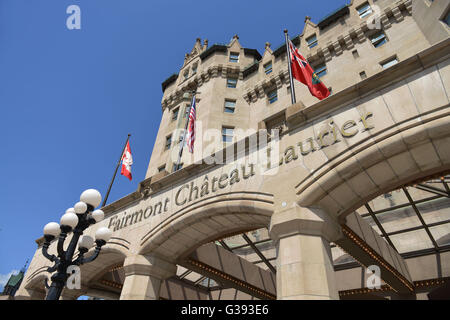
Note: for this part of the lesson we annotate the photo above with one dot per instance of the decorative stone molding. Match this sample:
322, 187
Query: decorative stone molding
326, 54
348, 41
385, 21
397, 14
337, 48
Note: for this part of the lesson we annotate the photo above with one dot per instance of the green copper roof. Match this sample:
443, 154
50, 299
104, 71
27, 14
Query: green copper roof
14, 279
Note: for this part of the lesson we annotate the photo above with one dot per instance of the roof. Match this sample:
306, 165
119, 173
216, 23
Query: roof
217, 47
252, 52
282, 49
15, 279
332, 17
168, 81
250, 68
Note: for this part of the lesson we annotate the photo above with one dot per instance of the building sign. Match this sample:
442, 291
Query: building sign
210, 184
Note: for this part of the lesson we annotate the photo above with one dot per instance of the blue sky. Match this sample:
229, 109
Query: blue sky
69, 98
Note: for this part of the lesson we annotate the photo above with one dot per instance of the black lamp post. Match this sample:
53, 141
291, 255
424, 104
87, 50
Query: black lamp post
75, 219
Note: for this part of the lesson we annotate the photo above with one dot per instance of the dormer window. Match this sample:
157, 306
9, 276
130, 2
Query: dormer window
364, 10
234, 57
268, 67
231, 83
320, 70
378, 39
312, 41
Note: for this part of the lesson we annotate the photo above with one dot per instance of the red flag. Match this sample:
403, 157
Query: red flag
127, 161
302, 71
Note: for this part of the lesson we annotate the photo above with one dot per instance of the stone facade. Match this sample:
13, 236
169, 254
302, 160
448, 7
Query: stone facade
378, 131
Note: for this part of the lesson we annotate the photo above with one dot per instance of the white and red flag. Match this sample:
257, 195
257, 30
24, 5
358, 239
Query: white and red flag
191, 126
303, 72
127, 161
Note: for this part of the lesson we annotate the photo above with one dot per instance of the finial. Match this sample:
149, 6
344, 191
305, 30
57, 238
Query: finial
267, 45
236, 37
24, 267
285, 31
198, 40
307, 18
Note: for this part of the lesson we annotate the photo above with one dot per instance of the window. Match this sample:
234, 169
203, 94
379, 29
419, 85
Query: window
186, 74
230, 106
181, 137
162, 168
194, 69
231, 83
355, 54
447, 18
388, 63
320, 70
363, 75
312, 41
234, 57
268, 67
227, 134
378, 39
168, 142
175, 114
364, 10
272, 96
188, 109
177, 167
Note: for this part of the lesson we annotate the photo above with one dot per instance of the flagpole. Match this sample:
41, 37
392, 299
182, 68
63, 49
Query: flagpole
115, 172
288, 52
185, 129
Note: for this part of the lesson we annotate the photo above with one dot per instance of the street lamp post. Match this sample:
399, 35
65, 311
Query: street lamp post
76, 219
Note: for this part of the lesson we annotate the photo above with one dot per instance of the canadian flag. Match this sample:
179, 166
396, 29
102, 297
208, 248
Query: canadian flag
127, 161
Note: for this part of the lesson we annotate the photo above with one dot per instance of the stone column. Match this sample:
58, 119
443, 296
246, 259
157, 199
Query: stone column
304, 264
143, 276
29, 294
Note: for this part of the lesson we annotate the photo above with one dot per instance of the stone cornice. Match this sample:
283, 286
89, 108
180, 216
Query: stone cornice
356, 34
213, 71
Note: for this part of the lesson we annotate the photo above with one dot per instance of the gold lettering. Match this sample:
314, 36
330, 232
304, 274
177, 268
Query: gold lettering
322, 134
290, 155
178, 193
151, 210
111, 222
311, 146
223, 178
364, 118
347, 125
234, 177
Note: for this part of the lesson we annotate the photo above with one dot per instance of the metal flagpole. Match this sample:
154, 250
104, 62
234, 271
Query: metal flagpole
185, 129
288, 52
115, 172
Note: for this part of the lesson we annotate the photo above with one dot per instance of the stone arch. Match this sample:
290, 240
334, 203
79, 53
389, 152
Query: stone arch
34, 287
110, 256
207, 220
409, 151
